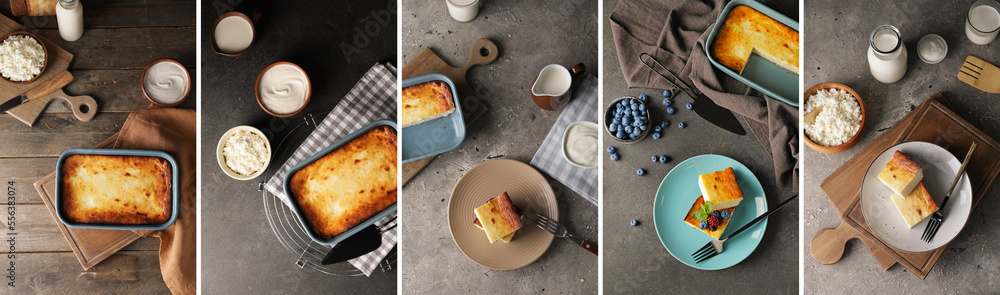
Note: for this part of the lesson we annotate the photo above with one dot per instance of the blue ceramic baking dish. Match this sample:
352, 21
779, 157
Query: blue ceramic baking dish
115, 152
295, 205
436, 136
765, 76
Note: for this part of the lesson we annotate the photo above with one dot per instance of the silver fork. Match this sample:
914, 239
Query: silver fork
934, 222
706, 251
558, 230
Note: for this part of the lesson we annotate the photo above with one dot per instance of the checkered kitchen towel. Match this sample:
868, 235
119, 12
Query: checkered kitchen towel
549, 157
371, 99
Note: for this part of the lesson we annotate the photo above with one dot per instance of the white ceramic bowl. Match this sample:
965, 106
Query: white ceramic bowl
597, 147
222, 160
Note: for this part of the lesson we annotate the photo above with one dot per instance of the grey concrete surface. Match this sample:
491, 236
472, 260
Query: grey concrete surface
240, 252
635, 260
836, 41
529, 35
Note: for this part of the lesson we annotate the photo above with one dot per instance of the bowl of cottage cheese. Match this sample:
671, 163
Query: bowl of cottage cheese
243, 152
22, 57
839, 124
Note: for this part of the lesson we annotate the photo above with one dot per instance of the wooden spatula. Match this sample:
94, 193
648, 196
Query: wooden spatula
810, 117
980, 74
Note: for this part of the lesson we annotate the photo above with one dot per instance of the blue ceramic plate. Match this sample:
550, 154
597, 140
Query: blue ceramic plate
435, 136
677, 193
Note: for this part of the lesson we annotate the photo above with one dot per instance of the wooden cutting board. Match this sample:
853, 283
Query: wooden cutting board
931, 122
58, 61
427, 62
91, 246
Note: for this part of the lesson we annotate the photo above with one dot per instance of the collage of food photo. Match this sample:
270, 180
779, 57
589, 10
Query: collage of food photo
499, 147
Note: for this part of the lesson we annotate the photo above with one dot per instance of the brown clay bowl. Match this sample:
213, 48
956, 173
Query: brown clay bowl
850, 142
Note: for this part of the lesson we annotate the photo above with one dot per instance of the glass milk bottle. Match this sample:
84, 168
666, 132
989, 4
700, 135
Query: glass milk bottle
69, 16
983, 22
887, 54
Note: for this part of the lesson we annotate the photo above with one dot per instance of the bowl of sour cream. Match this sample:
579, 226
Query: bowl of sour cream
165, 82
579, 144
283, 89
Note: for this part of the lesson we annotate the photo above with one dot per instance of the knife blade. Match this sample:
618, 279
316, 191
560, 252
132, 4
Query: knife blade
55, 83
704, 106
717, 115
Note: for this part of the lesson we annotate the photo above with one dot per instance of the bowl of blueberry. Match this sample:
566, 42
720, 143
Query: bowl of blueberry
627, 120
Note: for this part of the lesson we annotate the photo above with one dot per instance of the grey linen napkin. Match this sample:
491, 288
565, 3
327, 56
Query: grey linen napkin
674, 34
548, 158
371, 99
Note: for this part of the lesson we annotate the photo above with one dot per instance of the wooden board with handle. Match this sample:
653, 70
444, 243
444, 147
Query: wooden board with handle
483, 52
84, 107
57, 62
931, 122
91, 246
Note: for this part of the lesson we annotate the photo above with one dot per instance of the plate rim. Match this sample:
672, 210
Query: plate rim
762, 223
547, 188
861, 201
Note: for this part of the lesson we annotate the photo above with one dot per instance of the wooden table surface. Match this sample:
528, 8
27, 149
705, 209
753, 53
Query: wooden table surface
120, 38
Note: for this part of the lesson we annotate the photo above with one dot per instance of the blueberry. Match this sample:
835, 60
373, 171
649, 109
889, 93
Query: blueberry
626, 120
681, 125
671, 110
703, 225
654, 158
616, 120
642, 127
663, 159
620, 134
664, 124
657, 128
643, 97
615, 157
689, 106
635, 113
628, 129
725, 214
634, 222
611, 149
636, 133
656, 136
642, 107
667, 93
716, 213
640, 172
634, 106
667, 102
613, 128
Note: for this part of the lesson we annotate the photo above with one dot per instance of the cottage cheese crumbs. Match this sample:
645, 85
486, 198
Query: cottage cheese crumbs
21, 58
838, 121
245, 152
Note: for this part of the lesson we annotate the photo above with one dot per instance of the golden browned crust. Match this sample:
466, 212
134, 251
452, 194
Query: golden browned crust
101, 189
426, 101
721, 188
899, 172
916, 206
498, 217
350, 184
747, 30
689, 219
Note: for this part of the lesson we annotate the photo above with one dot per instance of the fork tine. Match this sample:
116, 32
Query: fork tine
932, 229
706, 258
706, 247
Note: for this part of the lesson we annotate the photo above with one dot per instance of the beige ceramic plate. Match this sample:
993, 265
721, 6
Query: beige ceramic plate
526, 188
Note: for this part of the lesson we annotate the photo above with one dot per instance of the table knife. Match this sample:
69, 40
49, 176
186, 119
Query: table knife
58, 82
703, 106
361, 243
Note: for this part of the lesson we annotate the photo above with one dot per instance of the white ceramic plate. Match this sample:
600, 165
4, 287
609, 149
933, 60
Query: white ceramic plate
939, 167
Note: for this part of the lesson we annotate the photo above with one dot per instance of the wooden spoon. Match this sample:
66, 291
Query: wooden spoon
811, 116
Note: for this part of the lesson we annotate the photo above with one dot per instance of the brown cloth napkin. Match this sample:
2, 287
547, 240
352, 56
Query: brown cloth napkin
172, 131
674, 33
